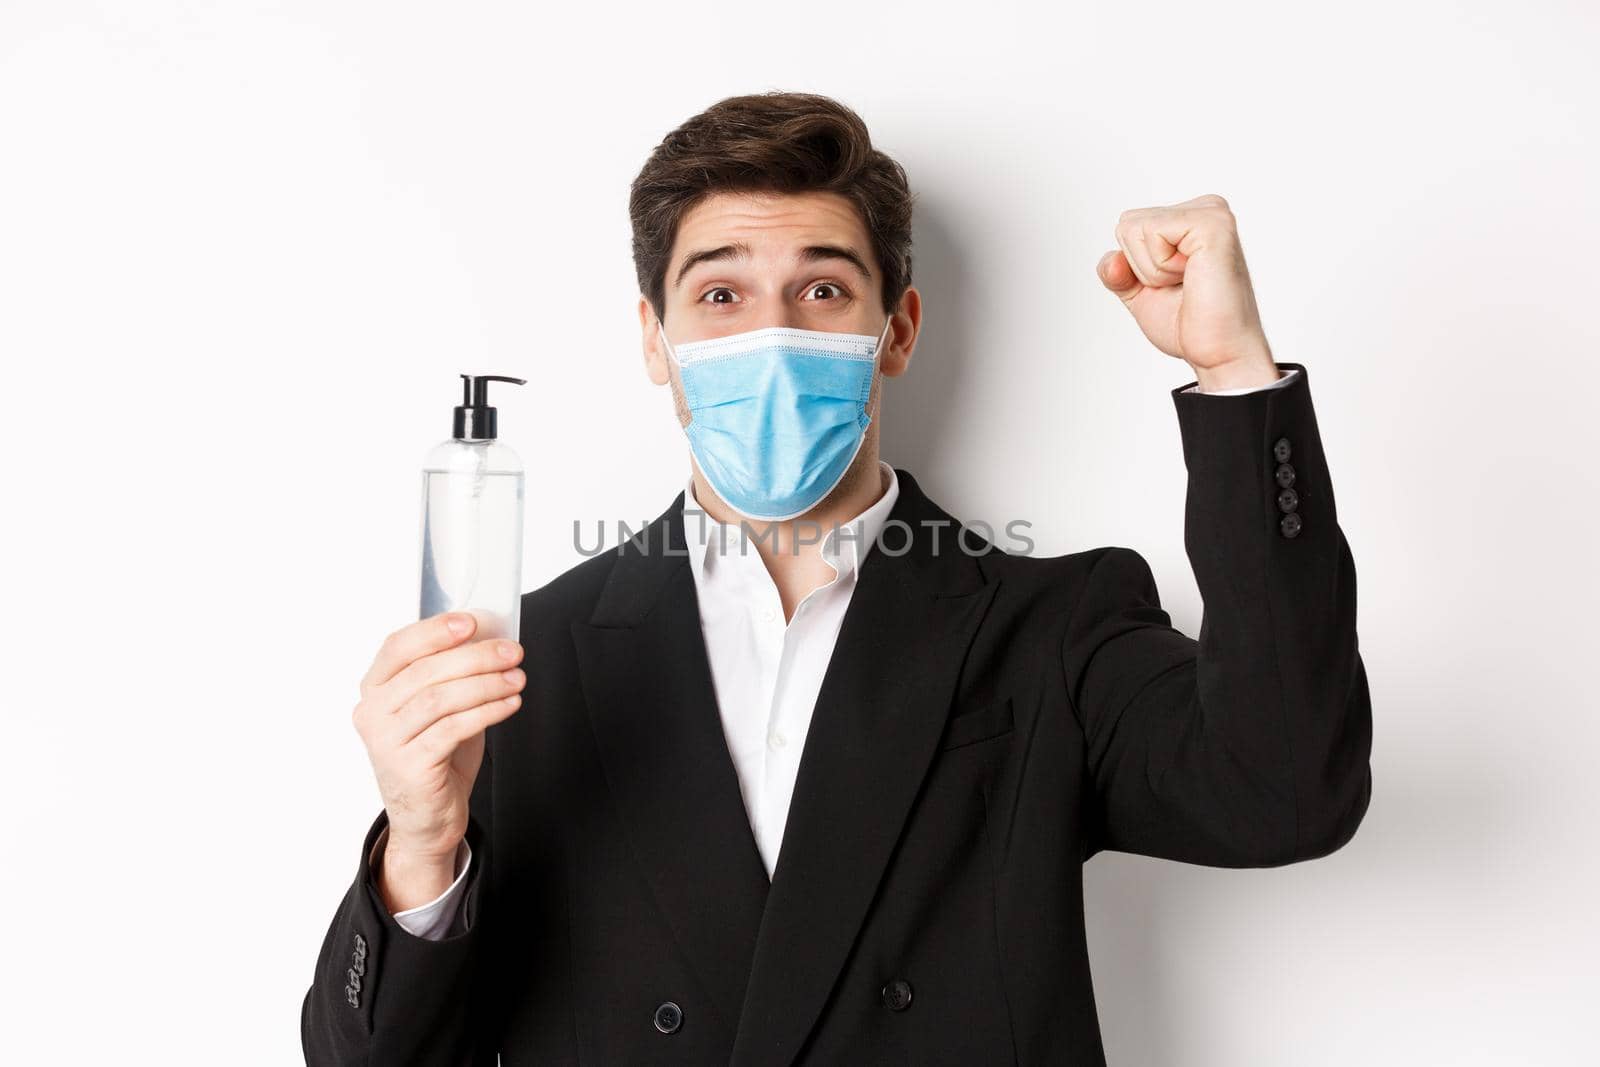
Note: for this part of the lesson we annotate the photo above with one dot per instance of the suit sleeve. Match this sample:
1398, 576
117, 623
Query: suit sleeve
381, 994
1249, 747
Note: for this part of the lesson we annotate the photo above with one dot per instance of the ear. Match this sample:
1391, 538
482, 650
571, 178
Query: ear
655, 356
905, 326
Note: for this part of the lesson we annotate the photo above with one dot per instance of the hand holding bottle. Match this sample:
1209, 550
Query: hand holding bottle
425, 703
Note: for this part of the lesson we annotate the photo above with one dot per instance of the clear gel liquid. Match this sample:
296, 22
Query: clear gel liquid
472, 547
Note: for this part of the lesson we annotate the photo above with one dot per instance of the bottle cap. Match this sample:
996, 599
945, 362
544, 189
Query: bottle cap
475, 419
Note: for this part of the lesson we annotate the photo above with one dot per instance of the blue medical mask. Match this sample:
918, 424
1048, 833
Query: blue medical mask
777, 415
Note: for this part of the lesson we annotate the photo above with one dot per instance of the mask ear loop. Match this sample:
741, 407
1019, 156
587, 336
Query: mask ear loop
671, 352
877, 364
683, 381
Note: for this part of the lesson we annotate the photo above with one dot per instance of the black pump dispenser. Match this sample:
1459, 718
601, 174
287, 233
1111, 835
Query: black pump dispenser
475, 419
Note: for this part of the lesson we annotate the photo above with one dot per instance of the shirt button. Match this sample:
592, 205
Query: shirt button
767, 614
777, 741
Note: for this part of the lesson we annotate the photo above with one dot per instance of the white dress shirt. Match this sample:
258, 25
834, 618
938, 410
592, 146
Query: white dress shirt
766, 673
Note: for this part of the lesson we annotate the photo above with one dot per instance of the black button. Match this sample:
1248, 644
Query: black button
361, 945
1288, 500
350, 995
1290, 524
1281, 450
668, 1017
353, 978
359, 965
897, 994
1284, 474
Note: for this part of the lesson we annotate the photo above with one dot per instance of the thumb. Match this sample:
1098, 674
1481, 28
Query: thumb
1116, 275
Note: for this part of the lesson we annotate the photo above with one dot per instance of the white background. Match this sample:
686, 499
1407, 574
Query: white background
245, 249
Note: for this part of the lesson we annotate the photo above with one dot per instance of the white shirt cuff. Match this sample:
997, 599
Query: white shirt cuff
1287, 377
431, 921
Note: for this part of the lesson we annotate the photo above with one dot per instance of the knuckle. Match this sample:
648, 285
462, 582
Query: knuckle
430, 701
441, 738
430, 743
425, 749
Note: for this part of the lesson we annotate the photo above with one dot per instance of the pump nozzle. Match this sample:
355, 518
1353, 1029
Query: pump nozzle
475, 419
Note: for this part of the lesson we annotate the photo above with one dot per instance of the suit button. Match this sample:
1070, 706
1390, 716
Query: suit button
668, 1017
1288, 500
1285, 475
361, 946
1290, 524
1281, 450
897, 994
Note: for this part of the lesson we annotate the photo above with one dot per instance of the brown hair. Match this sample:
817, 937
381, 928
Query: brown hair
770, 142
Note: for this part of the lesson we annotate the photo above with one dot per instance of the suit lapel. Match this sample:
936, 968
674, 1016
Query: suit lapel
873, 734
653, 708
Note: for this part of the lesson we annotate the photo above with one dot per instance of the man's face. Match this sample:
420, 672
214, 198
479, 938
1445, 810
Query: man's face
745, 261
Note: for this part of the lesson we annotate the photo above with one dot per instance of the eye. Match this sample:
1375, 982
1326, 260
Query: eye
727, 297
829, 291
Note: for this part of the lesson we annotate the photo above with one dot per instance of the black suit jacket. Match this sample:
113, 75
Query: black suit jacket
987, 723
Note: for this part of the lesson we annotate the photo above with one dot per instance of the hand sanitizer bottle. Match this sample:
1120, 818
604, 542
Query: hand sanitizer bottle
472, 519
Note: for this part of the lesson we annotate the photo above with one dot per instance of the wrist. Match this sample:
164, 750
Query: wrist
1249, 373
408, 880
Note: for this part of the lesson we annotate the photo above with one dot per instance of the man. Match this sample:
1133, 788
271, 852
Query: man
808, 772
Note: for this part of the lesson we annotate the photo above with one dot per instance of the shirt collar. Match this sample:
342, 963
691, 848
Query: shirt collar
845, 549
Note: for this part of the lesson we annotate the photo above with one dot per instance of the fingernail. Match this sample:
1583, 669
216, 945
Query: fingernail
514, 675
459, 624
508, 649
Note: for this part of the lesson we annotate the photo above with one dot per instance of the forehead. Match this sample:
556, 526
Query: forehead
771, 223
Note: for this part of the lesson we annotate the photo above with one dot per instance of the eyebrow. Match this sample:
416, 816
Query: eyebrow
740, 250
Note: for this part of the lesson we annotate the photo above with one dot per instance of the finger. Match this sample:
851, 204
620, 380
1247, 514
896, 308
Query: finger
415, 640
439, 741
1205, 221
474, 657
1164, 254
1145, 272
1117, 275
1152, 255
1127, 258
450, 697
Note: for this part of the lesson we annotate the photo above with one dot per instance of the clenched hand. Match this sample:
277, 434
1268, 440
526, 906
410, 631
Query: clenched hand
1180, 270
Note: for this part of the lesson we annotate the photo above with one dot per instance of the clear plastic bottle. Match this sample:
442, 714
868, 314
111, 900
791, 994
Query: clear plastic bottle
472, 488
